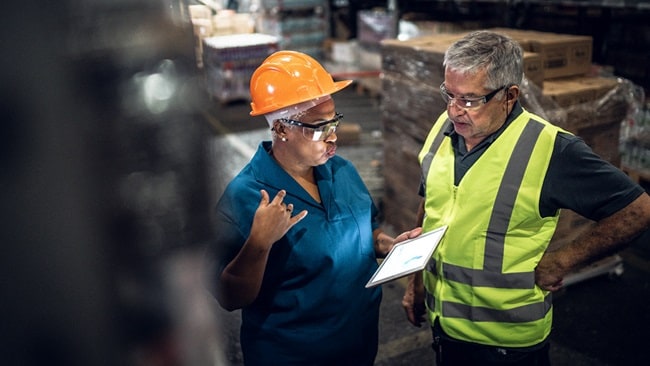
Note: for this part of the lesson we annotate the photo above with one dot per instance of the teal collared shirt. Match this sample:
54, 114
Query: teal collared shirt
313, 305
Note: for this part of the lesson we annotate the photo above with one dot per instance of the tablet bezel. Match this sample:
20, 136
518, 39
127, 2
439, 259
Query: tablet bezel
428, 242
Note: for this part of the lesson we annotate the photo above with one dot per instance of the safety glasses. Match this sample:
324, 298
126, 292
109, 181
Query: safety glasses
317, 131
468, 103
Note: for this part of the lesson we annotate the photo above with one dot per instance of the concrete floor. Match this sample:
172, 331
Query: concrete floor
602, 321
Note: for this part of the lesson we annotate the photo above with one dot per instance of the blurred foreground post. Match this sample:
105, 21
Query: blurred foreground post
105, 208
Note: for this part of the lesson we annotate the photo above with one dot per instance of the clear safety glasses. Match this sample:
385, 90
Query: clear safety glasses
467, 103
317, 131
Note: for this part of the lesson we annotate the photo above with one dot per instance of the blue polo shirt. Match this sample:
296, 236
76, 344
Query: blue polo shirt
313, 307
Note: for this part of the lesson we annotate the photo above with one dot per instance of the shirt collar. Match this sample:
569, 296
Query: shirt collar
270, 173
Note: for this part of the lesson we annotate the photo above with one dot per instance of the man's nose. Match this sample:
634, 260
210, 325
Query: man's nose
454, 109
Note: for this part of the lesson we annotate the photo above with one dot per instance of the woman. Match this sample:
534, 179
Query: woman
298, 236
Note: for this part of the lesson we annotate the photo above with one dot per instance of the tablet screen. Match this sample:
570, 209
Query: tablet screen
407, 257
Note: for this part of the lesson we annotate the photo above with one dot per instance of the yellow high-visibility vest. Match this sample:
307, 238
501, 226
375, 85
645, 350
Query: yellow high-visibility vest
480, 281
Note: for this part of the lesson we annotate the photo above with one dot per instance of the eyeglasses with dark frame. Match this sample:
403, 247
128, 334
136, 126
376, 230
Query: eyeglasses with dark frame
317, 131
468, 103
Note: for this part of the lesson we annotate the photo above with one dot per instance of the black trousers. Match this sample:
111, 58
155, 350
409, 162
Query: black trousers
455, 353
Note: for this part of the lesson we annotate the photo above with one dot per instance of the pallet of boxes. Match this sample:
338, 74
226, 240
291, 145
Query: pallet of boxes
228, 51
230, 60
635, 143
559, 85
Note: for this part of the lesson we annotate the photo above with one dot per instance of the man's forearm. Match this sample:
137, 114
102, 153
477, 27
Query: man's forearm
609, 235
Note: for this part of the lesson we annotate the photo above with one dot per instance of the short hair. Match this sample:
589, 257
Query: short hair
498, 54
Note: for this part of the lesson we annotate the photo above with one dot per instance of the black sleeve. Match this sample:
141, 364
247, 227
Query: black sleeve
580, 180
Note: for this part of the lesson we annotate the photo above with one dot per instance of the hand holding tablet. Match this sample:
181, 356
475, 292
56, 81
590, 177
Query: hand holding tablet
407, 257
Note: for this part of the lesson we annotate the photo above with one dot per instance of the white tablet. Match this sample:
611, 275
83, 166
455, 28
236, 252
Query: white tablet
407, 257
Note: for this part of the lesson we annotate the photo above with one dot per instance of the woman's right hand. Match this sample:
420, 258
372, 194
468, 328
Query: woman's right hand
273, 219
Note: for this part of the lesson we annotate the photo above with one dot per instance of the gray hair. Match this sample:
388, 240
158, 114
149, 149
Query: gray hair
498, 54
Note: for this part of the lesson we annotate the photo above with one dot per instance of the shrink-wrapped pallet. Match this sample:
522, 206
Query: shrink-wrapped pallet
591, 107
230, 60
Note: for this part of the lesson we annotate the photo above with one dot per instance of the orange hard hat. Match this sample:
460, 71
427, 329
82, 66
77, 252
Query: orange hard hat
286, 78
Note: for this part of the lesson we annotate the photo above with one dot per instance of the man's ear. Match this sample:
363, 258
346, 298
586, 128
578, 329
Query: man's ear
512, 93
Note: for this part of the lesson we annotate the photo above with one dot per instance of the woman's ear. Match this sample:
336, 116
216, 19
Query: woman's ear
280, 129
277, 127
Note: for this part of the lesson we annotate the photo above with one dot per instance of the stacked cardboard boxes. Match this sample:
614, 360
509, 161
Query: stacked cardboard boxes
207, 23
562, 54
556, 86
299, 25
635, 143
230, 60
227, 50
593, 108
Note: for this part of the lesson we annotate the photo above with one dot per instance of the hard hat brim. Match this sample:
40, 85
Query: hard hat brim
338, 86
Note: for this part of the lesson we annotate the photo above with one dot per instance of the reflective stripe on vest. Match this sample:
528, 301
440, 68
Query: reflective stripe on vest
426, 161
476, 314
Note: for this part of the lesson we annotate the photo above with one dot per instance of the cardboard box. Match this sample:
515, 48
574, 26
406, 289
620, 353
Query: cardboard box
522, 37
592, 112
568, 92
534, 68
563, 55
600, 85
578, 89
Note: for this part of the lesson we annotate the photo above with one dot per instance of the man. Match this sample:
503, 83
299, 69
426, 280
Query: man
498, 176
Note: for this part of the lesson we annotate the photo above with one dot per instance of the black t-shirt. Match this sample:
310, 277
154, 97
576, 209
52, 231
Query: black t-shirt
577, 178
